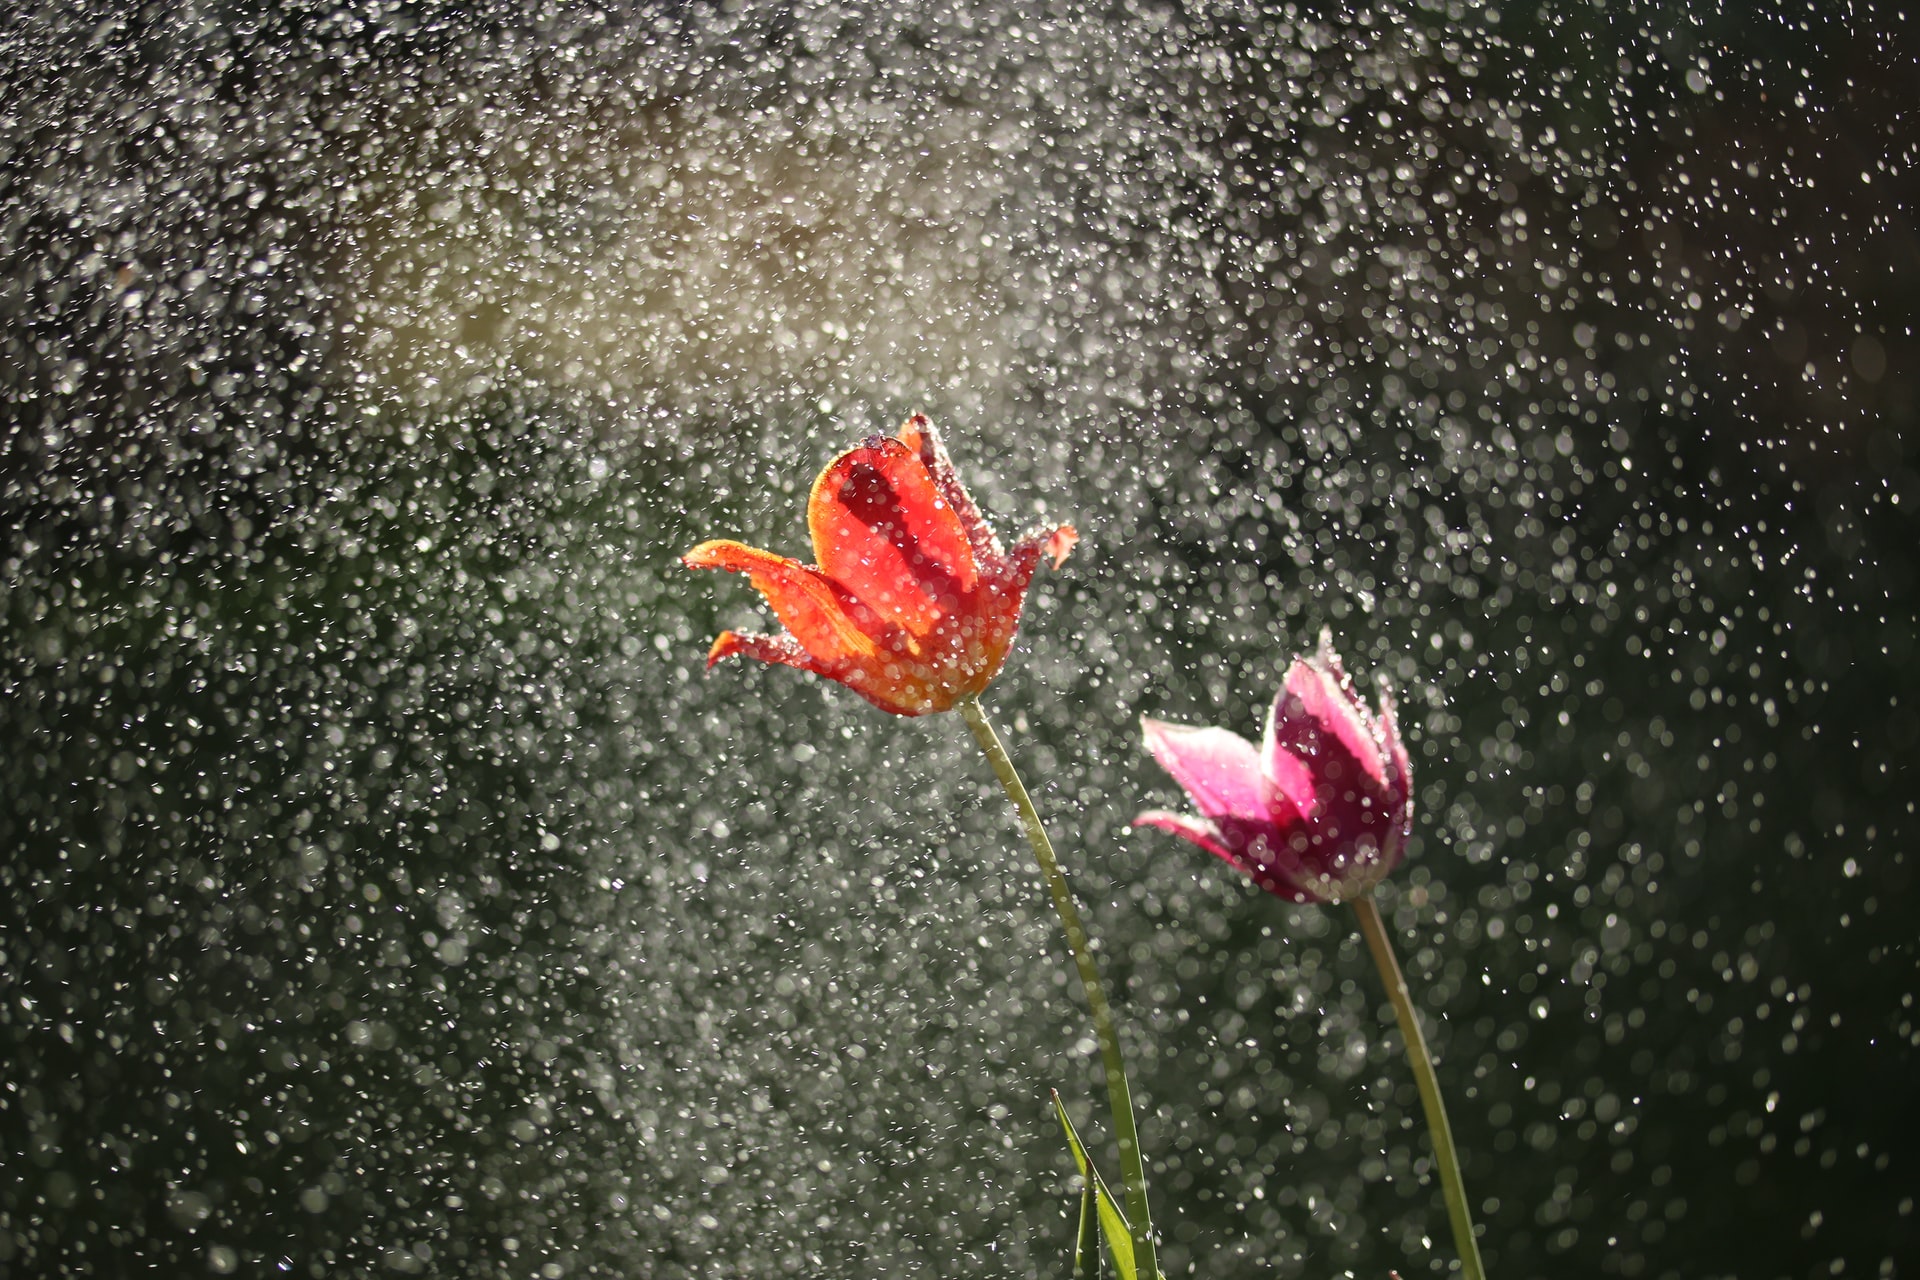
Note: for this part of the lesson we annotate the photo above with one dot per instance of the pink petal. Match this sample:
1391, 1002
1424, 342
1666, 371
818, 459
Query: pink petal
1249, 850
1200, 831
1321, 698
1218, 768
1289, 779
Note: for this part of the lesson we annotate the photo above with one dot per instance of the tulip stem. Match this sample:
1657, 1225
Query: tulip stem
1119, 1093
1445, 1157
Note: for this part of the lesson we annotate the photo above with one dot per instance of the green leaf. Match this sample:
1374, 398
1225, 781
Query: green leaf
1113, 1223
1086, 1247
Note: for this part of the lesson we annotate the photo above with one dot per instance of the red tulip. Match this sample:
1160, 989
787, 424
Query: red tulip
913, 605
1320, 811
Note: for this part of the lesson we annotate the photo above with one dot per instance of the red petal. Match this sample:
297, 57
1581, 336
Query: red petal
882, 529
784, 650
818, 615
1059, 542
918, 435
1017, 569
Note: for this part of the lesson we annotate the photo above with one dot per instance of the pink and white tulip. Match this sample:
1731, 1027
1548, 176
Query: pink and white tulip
1319, 811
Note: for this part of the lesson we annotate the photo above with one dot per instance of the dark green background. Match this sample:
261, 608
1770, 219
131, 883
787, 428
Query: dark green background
385, 890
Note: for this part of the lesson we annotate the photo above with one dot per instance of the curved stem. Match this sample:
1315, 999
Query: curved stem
1119, 1094
1445, 1157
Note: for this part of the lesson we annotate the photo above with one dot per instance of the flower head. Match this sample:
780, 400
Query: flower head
1320, 810
912, 603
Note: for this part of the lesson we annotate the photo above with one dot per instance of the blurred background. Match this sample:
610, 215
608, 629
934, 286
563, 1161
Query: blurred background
386, 891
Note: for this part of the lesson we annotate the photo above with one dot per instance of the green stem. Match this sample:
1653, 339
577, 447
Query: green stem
1445, 1157
1119, 1095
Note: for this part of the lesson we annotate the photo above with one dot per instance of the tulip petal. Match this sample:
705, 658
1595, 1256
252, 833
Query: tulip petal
783, 650
1289, 778
825, 623
1272, 854
1218, 768
1053, 543
1016, 570
917, 434
1233, 844
895, 698
1201, 831
1316, 704
883, 530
